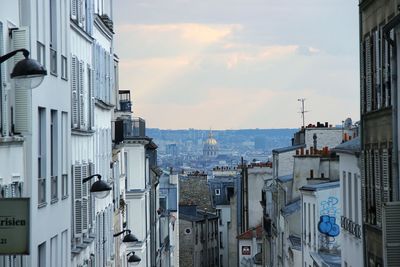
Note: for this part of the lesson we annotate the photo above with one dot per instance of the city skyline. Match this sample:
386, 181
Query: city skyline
233, 65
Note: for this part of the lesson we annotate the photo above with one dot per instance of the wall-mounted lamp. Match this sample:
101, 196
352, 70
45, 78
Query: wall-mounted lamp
99, 189
28, 72
133, 259
128, 239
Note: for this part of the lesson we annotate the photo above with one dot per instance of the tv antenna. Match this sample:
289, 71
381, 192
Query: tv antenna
302, 111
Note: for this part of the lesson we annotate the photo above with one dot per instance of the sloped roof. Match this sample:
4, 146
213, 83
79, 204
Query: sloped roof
291, 208
352, 146
249, 233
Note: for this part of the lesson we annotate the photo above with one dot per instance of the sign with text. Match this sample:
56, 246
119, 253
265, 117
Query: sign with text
14, 226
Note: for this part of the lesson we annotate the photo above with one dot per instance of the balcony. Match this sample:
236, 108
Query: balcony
128, 128
124, 99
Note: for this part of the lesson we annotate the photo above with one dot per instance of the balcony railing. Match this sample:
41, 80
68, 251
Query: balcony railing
124, 98
64, 186
132, 128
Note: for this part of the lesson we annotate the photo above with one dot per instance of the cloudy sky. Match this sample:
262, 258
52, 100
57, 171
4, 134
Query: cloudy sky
231, 64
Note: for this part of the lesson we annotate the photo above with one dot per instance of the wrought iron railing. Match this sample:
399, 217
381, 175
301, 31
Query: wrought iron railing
54, 189
41, 191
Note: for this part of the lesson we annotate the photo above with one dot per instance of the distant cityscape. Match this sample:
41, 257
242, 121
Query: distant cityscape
183, 149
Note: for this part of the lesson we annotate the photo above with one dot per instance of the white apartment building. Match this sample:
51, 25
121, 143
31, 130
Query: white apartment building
35, 133
321, 233
350, 193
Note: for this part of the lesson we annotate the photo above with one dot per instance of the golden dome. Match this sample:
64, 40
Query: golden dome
211, 140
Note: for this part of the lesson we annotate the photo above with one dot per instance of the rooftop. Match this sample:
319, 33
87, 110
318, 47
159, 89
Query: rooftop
249, 233
352, 146
285, 178
291, 208
320, 186
287, 149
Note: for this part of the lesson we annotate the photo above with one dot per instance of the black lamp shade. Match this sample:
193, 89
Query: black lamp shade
129, 238
28, 68
100, 189
134, 259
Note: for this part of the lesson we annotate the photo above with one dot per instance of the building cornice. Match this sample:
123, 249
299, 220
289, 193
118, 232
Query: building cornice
99, 24
82, 132
101, 104
80, 31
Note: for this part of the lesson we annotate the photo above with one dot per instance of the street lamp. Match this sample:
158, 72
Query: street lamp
133, 259
99, 189
128, 239
27, 71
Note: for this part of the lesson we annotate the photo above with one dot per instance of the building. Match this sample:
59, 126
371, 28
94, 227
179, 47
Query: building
35, 132
250, 245
350, 187
223, 190
198, 237
380, 190
321, 237
169, 219
210, 148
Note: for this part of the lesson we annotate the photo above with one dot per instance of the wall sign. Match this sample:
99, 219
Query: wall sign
14, 226
246, 250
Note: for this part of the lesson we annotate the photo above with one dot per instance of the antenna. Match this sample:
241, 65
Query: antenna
302, 111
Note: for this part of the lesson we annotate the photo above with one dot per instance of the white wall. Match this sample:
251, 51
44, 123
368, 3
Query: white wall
352, 247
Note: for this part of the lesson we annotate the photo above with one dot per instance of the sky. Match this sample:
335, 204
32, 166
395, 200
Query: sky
235, 64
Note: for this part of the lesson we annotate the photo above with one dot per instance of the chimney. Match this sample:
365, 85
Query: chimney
307, 152
311, 173
315, 141
322, 175
302, 151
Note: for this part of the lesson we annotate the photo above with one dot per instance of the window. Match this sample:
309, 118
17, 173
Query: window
54, 156
344, 185
309, 224
217, 192
304, 222
64, 67
64, 248
41, 55
42, 255
350, 198
53, 252
41, 156
53, 37
356, 199
64, 155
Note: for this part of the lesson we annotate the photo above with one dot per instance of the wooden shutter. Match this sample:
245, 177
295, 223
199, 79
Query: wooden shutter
82, 112
378, 197
82, 18
85, 193
378, 88
74, 88
363, 187
74, 9
368, 70
391, 233
362, 76
77, 170
386, 168
23, 96
91, 98
369, 188
91, 208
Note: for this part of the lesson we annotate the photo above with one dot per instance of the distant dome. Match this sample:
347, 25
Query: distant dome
210, 148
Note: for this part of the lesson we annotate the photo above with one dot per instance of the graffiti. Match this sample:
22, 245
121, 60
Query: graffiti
327, 226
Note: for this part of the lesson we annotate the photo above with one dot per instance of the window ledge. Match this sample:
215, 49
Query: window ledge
42, 205
64, 197
54, 200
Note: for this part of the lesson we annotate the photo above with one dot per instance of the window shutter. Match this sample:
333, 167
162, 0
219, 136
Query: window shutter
89, 17
363, 200
78, 199
23, 96
91, 208
85, 188
82, 19
362, 76
91, 98
378, 197
74, 9
74, 85
81, 96
378, 69
368, 70
368, 183
391, 233
3, 90
386, 175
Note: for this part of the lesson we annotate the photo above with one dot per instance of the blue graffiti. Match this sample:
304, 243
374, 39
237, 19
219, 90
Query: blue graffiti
328, 212
327, 225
